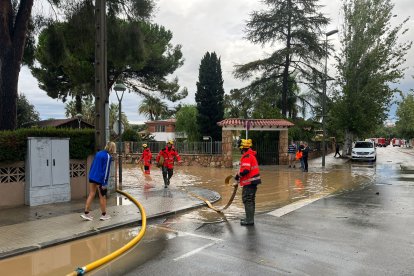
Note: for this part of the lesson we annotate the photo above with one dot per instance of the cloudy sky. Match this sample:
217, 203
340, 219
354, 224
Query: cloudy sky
214, 26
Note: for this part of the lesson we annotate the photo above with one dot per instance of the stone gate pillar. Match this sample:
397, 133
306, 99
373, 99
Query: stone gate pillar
227, 147
283, 147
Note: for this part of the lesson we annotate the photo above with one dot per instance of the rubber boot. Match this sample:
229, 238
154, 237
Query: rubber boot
249, 209
165, 181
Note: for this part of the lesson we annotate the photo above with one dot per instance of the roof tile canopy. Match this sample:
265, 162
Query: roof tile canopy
255, 124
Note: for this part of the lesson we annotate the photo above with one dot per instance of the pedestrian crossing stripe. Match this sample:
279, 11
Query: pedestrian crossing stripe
296, 205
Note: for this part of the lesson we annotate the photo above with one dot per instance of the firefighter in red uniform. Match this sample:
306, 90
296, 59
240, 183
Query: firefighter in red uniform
249, 178
146, 157
165, 159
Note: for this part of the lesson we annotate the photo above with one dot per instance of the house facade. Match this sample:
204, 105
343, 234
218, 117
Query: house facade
163, 130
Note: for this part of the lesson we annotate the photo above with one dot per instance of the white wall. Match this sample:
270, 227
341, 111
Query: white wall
163, 136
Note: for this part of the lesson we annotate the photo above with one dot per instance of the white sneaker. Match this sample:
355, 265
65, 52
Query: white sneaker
87, 217
106, 217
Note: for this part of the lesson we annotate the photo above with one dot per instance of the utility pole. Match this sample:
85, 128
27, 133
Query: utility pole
101, 91
324, 95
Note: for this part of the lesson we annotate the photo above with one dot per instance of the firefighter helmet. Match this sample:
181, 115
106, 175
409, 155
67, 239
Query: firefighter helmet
246, 143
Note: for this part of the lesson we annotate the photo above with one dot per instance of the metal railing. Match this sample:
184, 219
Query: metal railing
181, 147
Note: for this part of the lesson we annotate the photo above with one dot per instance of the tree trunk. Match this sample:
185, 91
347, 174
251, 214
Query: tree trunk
78, 104
349, 137
285, 82
8, 91
13, 31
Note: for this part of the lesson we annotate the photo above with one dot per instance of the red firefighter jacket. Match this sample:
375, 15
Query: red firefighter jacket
146, 156
249, 169
168, 155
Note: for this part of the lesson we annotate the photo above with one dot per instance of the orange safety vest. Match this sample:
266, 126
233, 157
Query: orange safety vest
168, 156
248, 162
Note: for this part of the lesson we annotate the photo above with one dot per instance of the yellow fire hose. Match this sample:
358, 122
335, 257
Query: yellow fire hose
117, 253
235, 186
227, 181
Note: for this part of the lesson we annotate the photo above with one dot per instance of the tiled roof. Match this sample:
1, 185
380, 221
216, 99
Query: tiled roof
251, 123
60, 122
54, 122
162, 121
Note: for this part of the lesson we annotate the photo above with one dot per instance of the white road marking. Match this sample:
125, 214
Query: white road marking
405, 175
296, 205
195, 251
181, 233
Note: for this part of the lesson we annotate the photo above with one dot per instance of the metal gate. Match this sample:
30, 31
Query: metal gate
267, 146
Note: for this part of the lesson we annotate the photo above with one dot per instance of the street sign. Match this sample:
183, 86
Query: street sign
115, 127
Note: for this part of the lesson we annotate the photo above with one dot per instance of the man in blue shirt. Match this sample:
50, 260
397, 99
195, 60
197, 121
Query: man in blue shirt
292, 154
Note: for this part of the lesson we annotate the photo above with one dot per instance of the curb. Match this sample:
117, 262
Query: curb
20, 251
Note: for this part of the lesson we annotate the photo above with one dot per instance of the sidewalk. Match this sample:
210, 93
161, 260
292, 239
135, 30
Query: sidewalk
26, 229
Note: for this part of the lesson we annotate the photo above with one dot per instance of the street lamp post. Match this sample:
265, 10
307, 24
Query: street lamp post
79, 117
119, 88
206, 138
324, 95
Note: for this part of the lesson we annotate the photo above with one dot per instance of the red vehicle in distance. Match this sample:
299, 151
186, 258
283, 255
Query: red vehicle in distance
381, 142
396, 142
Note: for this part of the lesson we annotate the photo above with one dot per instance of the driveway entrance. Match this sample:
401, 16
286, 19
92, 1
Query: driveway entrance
271, 147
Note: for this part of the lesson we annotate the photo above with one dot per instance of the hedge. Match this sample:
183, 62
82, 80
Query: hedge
13, 144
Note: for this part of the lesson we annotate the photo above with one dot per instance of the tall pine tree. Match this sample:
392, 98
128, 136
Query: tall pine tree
210, 96
296, 26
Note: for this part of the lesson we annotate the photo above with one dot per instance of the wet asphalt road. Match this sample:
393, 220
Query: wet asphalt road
368, 230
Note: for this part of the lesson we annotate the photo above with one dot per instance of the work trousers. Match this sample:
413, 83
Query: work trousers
167, 174
249, 201
305, 163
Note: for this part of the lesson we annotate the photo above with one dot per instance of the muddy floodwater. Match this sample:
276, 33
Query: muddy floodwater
280, 186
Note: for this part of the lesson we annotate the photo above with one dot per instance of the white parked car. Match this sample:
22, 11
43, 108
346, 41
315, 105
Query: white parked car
364, 150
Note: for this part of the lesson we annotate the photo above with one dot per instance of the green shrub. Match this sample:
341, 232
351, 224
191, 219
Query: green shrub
13, 144
130, 135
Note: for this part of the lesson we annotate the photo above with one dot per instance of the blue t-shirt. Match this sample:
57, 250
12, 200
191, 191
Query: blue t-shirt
100, 168
292, 149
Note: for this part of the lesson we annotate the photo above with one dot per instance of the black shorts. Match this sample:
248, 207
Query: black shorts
94, 182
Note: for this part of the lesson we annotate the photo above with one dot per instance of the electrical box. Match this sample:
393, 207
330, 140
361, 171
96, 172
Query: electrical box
47, 171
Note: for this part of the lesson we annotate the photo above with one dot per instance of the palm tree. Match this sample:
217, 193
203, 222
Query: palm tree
153, 108
114, 114
87, 110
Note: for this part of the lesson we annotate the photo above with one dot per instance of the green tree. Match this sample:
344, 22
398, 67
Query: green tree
405, 113
297, 25
210, 96
87, 110
26, 112
17, 28
131, 135
139, 53
153, 108
187, 122
386, 132
236, 104
370, 61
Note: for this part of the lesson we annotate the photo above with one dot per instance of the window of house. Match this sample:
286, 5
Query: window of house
160, 128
